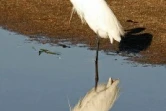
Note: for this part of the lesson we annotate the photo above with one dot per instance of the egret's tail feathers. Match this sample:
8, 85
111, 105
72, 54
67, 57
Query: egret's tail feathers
122, 32
116, 34
116, 30
120, 28
113, 36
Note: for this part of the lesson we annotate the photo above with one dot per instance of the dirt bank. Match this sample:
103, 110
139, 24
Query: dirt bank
143, 20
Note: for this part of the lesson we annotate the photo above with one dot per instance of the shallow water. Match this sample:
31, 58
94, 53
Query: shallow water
29, 82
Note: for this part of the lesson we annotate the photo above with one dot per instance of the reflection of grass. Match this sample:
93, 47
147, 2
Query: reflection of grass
47, 52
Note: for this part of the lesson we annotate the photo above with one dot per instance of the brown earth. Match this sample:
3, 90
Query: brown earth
143, 20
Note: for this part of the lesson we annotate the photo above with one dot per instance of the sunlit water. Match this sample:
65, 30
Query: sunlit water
29, 82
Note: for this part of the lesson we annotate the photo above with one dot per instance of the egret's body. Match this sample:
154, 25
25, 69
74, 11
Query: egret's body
99, 17
101, 99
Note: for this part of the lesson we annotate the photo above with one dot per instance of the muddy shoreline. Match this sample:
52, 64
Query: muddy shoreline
143, 21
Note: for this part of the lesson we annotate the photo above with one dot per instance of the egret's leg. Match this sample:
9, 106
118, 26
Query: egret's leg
96, 62
97, 48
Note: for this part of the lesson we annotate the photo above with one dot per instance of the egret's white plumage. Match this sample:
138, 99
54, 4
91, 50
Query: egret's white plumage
99, 17
101, 99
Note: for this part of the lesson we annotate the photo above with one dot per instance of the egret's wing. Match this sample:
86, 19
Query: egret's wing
101, 19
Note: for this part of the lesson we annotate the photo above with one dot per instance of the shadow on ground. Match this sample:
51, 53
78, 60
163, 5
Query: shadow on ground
135, 41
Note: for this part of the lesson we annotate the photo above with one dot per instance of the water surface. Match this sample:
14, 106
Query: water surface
29, 82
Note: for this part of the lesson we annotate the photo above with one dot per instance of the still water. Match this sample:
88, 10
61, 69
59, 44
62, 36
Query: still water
29, 82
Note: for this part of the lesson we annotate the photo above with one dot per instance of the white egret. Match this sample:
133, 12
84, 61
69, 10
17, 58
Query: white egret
100, 18
101, 99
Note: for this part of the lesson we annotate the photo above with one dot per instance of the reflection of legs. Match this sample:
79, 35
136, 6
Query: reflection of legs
96, 62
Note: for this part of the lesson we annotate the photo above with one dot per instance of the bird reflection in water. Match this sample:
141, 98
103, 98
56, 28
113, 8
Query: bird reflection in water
100, 99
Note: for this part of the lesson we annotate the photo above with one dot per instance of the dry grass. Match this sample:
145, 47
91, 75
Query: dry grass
145, 21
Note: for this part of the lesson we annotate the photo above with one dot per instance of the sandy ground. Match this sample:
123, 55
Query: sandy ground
143, 20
